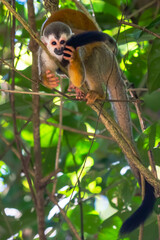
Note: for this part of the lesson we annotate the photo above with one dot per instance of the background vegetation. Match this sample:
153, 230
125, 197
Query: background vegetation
94, 185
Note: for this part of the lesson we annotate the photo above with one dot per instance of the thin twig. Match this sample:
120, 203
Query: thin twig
59, 138
14, 69
36, 127
88, 154
9, 147
157, 8
7, 223
138, 89
71, 226
47, 179
79, 186
126, 145
34, 93
141, 9
81, 210
140, 237
139, 27
143, 128
81, 7
63, 127
150, 155
92, 8
68, 96
12, 100
32, 33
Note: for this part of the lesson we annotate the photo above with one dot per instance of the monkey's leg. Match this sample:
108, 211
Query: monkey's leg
96, 91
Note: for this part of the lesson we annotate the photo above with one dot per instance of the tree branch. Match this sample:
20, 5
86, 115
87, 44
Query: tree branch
59, 139
66, 128
36, 131
32, 33
144, 29
71, 226
125, 144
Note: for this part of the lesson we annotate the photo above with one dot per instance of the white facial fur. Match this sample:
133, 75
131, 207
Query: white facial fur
55, 45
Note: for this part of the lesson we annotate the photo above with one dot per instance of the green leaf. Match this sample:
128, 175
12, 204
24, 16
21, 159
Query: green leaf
151, 101
156, 206
154, 23
110, 228
153, 80
91, 220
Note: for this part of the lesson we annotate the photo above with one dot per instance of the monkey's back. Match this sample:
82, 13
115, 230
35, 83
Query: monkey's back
101, 64
77, 20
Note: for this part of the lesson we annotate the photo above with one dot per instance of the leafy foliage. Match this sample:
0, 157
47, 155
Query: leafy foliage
105, 174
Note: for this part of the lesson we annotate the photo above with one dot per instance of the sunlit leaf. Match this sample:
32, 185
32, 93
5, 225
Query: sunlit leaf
153, 82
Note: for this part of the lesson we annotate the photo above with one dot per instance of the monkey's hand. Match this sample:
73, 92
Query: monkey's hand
69, 53
50, 80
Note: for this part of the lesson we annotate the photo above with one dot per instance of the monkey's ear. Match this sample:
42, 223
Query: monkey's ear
43, 39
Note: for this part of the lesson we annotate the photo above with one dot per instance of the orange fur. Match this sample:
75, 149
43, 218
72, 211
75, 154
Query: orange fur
45, 81
77, 20
75, 70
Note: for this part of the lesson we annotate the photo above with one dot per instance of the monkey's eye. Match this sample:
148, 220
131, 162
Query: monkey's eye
53, 43
62, 42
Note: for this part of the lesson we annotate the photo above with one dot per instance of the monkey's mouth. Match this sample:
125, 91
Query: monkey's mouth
59, 51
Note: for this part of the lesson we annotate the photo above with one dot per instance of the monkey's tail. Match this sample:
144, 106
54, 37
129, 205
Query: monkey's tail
88, 37
141, 214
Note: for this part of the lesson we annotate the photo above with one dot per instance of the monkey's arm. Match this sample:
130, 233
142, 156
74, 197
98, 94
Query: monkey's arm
75, 68
47, 67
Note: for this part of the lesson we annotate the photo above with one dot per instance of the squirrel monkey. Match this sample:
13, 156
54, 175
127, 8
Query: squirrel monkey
93, 61
57, 36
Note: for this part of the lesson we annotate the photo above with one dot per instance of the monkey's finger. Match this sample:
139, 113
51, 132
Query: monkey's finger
70, 59
70, 48
68, 52
51, 76
53, 83
48, 71
53, 80
67, 58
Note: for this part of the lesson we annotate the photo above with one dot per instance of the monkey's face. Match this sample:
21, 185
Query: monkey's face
56, 45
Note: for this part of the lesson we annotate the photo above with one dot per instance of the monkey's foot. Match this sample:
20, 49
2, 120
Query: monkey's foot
51, 81
92, 96
71, 87
79, 94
